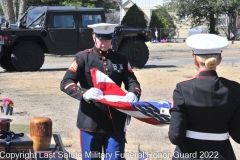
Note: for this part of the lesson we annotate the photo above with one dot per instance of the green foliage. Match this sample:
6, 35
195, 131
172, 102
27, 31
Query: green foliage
203, 11
161, 19
155, 21
44, 2
107, 5
91, 3
135, 18
65, 3
79, 3
82, 3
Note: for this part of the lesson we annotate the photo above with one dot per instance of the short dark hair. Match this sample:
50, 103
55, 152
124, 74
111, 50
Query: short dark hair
104, 36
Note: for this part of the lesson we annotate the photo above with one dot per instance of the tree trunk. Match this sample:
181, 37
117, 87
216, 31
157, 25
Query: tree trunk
3, 8
212, 24
234, 24
8, 11
22, 7
237, 35
15, 9
229, 24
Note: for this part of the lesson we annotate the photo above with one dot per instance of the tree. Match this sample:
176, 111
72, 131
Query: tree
135, 18
7, 6
22, 8
82, 3
203, 11
110, 7
106, 4
161, 19
113, 17
14, 9
44, 3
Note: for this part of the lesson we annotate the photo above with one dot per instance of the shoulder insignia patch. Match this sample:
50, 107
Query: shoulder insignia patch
73, 67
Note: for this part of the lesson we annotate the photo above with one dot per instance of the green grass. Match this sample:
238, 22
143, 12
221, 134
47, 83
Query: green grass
25, 128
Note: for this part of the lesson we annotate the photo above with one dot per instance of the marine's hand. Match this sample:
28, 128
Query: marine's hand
130, 97
92, 93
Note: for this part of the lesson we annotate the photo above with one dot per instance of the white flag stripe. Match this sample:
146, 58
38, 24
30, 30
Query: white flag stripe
102, 78
111, 98
134, 113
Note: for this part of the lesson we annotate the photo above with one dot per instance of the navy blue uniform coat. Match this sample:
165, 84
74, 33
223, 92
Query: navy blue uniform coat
93, 116
208, 104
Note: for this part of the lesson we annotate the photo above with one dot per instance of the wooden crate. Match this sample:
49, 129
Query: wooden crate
19, 146
5, 124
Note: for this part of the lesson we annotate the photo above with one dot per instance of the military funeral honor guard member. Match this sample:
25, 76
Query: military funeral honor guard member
101, 126
206, 109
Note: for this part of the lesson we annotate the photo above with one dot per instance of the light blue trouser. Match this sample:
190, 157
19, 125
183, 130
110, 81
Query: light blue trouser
93, 144
8, 110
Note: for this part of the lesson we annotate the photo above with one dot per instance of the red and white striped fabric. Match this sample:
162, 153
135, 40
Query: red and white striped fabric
155, 113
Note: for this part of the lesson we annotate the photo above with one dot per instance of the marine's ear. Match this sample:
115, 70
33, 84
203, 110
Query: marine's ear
94, 37
196, 61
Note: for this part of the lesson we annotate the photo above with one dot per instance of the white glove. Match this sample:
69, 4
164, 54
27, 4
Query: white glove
92, 93
130, 97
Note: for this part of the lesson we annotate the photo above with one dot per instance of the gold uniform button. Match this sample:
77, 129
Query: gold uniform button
81, 91
106, 69
119, 71
100, 52
89, 102
104, 58
105, 63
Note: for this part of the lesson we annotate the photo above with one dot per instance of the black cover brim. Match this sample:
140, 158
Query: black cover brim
104, 36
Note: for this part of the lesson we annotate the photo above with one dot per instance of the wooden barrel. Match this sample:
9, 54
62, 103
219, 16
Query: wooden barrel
41, 132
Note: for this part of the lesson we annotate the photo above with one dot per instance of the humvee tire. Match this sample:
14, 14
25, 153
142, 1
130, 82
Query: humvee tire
136, 52
27, 56
6, 63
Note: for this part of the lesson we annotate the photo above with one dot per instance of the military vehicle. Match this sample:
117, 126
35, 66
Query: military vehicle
63, 30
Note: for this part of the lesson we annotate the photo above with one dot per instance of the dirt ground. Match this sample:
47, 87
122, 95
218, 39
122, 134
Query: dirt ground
37, 94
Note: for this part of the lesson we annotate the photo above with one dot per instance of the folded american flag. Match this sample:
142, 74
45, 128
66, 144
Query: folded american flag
155, 113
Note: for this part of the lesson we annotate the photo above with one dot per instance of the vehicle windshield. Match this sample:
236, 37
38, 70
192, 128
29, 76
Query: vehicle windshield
33, 14
90, 19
